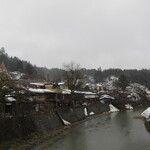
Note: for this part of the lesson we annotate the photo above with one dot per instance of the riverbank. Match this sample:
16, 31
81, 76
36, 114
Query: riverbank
41, 141
49, 141
25, 132
118, 131
46, 128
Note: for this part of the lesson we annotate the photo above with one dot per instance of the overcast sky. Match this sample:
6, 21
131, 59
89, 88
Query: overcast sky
94, 33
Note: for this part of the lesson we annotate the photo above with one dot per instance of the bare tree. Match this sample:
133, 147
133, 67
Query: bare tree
74, 76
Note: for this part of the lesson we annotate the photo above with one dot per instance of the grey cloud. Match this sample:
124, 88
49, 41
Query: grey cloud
93, 33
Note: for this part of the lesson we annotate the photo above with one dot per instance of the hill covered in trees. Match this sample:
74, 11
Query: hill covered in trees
55, 74
133, 75
31, 71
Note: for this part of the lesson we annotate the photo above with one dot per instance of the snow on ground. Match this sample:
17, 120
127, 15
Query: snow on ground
128, 106
134, 91
113, 108
109, 83
146, 113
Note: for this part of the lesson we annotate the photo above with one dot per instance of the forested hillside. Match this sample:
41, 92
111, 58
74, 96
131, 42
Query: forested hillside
55, 74
31, 71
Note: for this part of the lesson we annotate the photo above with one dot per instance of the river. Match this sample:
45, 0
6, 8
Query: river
117, 131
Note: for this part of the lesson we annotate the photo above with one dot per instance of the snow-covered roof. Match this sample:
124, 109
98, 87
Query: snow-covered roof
61, 83
100, 85
128, 87
9, 98
87, 84
66, 91
107, 97
90, 96
84, 92
40, 90
147, 91
37, 84
16, 75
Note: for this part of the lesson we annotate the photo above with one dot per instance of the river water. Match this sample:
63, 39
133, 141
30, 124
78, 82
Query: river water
117, 131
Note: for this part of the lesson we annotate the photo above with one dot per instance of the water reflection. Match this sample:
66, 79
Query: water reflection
117, 131
147, 126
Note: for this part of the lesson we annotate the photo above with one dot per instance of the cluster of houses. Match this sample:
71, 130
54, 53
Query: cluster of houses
58, 95
50, 95
47, 94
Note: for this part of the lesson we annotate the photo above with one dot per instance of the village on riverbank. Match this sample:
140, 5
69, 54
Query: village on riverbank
30, 106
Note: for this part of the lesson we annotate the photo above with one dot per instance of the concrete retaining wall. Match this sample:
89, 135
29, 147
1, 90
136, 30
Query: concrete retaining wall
98, 108
24, 126
44, 122
73, 114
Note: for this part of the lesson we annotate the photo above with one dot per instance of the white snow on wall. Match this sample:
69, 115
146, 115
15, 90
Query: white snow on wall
85, 112
113, 108
146, 113
66, 122
91, 113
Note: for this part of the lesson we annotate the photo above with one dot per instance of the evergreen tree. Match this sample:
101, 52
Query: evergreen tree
19, 66
123, 82
29, 69
6, 88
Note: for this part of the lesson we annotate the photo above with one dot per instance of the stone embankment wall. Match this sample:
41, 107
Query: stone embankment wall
73, 114
16, 128
76, 114
98, 108
22, 127
45, 122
